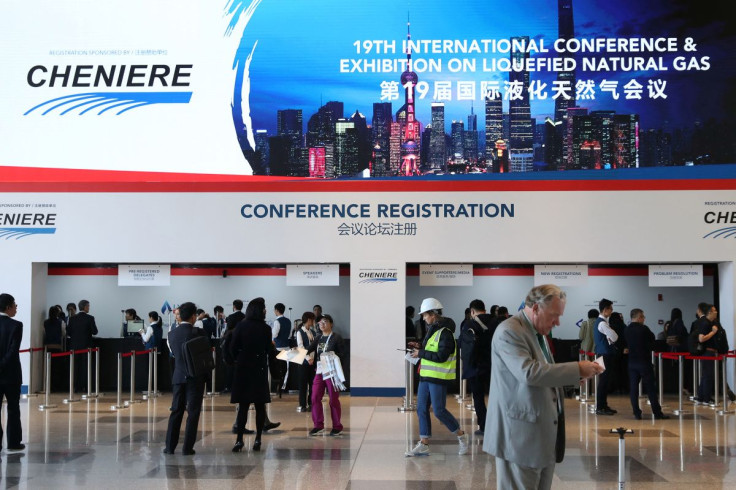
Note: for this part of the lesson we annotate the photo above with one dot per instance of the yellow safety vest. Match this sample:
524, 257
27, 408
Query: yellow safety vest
438, 370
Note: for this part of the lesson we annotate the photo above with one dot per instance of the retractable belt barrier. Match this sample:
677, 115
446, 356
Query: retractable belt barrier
152, 390
660, 378
409, 405
717, 359
30, 351
725, 410
592, 407
213, 392
96, 351
621, 431
680, 377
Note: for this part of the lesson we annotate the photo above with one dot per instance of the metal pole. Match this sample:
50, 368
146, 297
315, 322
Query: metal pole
715, 388
97, 372
594, 406
132, 380
47, 382
408, 387
119, 404
89, 375
71, 398
213, 391
695, 380
147, 395
725, 410
680, 381
661, 385
155, 371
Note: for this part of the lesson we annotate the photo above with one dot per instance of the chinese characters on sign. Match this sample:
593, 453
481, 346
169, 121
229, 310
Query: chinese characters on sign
375, 229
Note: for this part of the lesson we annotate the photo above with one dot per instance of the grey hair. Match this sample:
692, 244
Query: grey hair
636, 312
543, 295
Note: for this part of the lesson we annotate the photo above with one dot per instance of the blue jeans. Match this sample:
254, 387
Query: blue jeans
433, 394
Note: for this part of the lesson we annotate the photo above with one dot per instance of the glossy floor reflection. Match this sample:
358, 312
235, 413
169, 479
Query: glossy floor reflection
86, 445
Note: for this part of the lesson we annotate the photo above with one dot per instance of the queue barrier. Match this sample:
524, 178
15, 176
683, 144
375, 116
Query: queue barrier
725, 410
660, 380
30, 351
409, 404
213, 392
592, 407
152, 390
680, 356
621, 431
716, 359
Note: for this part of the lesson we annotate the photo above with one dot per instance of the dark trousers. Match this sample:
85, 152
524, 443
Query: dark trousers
80, 373
242, 418
478, 385
604, 378
643, 370
11, 392
707, 378
186, 396
306, 377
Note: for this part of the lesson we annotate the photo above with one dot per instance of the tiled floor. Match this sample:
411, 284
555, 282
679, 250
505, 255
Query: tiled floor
85, 445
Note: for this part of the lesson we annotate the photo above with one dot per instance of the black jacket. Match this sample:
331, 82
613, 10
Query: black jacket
11, 334
251, 347
177, 338
233, 319
640, 341
475, 346
80, 330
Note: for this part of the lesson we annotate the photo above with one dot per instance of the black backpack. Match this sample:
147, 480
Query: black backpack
198, 358
721, 341
227, 355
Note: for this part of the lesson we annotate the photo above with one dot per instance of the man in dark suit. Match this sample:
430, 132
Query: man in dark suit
187, 392
11, 377
236, 316
80, 330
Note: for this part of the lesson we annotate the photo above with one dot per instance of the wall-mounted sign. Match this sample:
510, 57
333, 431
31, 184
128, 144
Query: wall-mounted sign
445, 274
561, 275
144, 275
675, 275
312, 275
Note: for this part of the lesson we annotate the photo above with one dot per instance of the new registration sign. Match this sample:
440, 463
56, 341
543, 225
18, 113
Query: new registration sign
312, 275
561, 275
144, 275
675, 275
445, 274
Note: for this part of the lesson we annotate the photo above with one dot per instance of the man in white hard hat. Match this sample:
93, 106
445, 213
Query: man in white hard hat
525, 421
438, 355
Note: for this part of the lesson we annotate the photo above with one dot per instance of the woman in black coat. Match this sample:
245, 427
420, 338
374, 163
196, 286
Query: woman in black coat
251, 347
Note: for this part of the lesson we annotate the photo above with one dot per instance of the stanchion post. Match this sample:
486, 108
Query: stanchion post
119, 404
409, 387
47, 383
213, 391
621, 431
97, 372
725, 410
680, 382
592, 407
71, 398
695, 380
155, 371
89, 376
147, 394
716, 365
661, 381
132, 380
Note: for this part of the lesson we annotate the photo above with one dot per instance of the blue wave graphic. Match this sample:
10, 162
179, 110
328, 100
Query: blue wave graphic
727, 232
19, 233
106, 101
378, 280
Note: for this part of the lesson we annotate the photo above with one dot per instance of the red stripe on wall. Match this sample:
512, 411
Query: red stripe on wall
183, 271
22, 179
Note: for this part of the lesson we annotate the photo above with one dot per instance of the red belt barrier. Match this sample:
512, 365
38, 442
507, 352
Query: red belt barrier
141, 352
730, 355
31, 349
61, 354
670, 355
81, 351
95, 349
127, 354
705, 358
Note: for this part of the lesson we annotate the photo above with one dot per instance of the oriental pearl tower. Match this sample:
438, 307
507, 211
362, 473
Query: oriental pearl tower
409, 148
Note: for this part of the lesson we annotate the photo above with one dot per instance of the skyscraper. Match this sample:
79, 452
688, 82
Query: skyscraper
457, 132
519, 110
471, 138
346, 148
380, 138
394, 158
626, 141
565, 30
409, 147
437, 149
494, 123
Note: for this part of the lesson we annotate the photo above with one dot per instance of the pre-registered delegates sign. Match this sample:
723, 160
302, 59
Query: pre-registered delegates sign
561, 275
445, 274
144, 275
312, 275
675, 275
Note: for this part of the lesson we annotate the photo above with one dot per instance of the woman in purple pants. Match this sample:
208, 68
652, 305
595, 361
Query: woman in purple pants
327, 341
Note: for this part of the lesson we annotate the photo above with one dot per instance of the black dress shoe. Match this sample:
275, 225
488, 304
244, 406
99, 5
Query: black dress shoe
604, 411
661, 416
189, 452
168, 451
271, 425
238, 446
257, 445
637, 416
19, 447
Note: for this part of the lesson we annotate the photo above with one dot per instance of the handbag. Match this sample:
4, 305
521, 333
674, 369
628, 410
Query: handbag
672, 340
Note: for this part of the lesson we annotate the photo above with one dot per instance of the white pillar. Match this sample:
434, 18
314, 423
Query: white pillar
726, 312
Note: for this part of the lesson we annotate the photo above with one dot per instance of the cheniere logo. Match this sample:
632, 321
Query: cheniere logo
377, 277
109, 76
720, 218
17, 225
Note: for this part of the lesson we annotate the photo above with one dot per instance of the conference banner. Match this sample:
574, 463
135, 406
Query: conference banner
326, 90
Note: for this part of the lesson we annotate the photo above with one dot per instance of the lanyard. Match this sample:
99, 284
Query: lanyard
326, 344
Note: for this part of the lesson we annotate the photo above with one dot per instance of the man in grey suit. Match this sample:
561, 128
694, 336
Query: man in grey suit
525, 420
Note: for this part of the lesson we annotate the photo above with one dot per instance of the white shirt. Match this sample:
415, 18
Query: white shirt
276, 328
301, 345
605, 329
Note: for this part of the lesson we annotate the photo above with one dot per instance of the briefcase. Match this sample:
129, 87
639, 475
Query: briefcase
198, 357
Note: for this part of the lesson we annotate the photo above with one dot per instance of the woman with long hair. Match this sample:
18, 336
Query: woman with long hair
251, 347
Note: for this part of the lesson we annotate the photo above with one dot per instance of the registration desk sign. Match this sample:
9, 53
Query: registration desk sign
144, 275
676, 275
